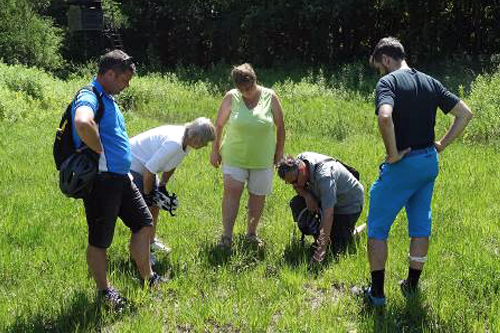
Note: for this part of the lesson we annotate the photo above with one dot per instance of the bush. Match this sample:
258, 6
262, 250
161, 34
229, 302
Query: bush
484, 101
32, 93
27, 38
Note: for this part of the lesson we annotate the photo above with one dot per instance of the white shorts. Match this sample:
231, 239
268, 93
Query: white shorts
260, 181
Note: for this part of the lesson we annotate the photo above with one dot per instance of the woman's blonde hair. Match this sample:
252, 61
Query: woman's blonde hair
242, 74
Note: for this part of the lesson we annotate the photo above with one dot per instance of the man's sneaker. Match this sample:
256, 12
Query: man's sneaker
372, 300
111, 297
406, 289
158, 246
156, 280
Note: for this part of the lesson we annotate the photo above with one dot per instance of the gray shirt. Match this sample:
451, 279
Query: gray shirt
332, 184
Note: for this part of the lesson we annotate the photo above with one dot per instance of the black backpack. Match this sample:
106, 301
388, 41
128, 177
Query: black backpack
63, 143
351, 169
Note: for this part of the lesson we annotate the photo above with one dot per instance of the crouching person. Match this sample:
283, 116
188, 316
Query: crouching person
161, 150
330, 190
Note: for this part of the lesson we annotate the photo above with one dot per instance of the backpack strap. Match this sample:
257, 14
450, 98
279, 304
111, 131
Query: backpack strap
100, 103
349, 168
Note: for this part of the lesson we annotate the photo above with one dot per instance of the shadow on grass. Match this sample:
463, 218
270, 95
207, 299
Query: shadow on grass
83, 314
126, 267
412, 317
242, 256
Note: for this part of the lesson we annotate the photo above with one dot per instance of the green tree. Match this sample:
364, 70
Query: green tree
28, 38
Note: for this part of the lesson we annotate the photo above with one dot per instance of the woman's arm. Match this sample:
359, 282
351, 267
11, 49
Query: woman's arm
280, 128
222, 117
165, 176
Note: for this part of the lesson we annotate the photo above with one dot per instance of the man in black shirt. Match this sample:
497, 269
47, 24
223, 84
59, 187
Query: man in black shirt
406, 104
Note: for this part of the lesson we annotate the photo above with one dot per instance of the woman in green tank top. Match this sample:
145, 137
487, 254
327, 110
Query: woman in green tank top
253, 142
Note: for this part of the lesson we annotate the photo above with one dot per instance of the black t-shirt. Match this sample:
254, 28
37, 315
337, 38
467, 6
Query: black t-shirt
415, 97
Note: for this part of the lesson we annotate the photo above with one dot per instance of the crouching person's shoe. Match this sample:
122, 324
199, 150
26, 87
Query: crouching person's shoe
159, 246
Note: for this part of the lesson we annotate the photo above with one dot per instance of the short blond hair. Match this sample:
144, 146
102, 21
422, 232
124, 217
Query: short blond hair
242, 74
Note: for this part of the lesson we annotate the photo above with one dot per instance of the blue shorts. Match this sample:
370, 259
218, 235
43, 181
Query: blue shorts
408, 183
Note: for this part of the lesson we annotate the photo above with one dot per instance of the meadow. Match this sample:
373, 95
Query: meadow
44, 283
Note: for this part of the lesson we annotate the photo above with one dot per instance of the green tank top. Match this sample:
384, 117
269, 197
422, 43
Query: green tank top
250, 140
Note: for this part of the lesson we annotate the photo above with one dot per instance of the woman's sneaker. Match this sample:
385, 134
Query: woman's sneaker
253, 240
225, 243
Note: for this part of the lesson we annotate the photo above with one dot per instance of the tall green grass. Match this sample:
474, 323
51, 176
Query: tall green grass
45, 286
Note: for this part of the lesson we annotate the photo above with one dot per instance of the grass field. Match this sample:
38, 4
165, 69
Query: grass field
45, 286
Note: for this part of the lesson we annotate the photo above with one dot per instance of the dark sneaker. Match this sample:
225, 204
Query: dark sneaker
406, 289
113, 299
372, 300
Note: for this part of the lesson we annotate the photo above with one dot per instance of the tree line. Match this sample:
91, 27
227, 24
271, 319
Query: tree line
267, 33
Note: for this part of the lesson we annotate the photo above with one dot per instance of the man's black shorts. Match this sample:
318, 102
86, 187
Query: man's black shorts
114, 196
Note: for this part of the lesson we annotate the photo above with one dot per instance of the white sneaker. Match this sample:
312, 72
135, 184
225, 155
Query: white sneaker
160, 247
152, 259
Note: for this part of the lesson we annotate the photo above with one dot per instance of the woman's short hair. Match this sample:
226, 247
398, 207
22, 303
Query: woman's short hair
286, 165
201, 128
389, 46
116, 60
243, 74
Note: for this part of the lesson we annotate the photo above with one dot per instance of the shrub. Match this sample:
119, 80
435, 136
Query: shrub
484, 101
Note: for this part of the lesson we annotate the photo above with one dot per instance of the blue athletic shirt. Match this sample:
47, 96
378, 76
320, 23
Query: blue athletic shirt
116, 156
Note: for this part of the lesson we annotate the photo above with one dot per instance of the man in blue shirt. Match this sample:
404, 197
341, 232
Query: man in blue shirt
113, 194
406, 105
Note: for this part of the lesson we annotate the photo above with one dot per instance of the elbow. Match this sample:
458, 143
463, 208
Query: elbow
384, 120
80, 125
469, 115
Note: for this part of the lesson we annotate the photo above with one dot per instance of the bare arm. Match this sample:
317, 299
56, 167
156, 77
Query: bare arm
324, 234
87, 129
222, 117
462, 115
280, 128
148, 179
165, 177
386, 127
